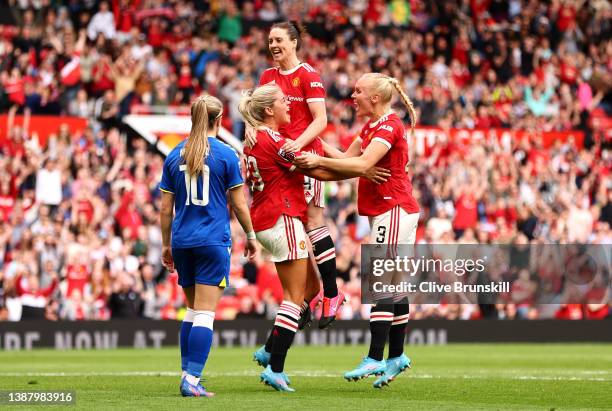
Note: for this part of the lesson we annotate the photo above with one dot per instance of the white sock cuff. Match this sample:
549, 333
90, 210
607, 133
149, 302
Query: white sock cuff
189, 315
318, 234
204, 319
291, 306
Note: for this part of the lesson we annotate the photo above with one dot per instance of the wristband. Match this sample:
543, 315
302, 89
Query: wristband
251, 235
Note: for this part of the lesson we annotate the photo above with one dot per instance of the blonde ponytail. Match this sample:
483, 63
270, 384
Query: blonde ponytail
205, 110
253, 104
406, 100
383, 85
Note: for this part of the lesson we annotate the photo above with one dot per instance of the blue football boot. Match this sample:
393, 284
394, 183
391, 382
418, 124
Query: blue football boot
189, 390
277, 380
262, 356
394, 367
367, 367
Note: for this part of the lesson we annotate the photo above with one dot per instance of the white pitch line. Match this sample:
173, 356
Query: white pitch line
298, 373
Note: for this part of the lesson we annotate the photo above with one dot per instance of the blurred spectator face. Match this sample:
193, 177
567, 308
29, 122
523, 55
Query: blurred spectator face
82, 96
50, 166
49, 266
76, 296
142, 233
43, 212
524, 275
126, 233
125, 281
5, 187
511, 311
231, 9
147, 273
109, 96
246, 305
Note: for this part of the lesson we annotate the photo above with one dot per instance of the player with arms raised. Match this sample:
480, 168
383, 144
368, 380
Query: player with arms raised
303, 87
196, 236
390, 206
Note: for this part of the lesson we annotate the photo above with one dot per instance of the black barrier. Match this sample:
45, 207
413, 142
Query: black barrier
248, 333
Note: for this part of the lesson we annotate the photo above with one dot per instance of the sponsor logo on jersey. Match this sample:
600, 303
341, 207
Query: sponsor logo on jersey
293, 98
387, 128
314, 84
295, 82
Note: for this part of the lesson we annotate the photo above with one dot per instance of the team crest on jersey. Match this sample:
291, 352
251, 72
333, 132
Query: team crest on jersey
302, 245
295, 82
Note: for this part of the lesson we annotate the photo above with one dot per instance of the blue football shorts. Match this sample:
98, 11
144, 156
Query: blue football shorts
208, 265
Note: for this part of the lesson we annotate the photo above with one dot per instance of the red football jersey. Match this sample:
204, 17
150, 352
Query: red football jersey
276, 188
375, 199
301, 85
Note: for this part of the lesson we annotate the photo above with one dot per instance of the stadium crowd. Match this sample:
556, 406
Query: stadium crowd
79, 226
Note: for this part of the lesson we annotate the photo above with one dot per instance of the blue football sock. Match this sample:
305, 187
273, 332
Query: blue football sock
200, 340
184, 338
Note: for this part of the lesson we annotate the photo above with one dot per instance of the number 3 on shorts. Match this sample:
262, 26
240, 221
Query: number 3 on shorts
380, 237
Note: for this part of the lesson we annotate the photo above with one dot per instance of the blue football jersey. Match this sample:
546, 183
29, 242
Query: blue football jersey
201, 217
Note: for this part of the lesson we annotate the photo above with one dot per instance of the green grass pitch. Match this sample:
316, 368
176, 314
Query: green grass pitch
452, 377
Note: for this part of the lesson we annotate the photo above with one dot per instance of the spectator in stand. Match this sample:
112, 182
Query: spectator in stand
230, 25
49, 184
33, 298
82, 106
103, 22
125, 302
532, 66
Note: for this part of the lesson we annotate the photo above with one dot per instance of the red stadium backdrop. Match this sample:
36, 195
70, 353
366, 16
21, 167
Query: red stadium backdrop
44, 126
167, 131
426, 138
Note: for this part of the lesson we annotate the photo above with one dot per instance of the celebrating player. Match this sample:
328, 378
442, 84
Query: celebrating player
391, 208
277, 210
196, 176
305, 92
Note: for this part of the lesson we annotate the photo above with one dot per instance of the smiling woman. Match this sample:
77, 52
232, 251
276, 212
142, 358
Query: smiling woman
278, 210
304, 89
391, 208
